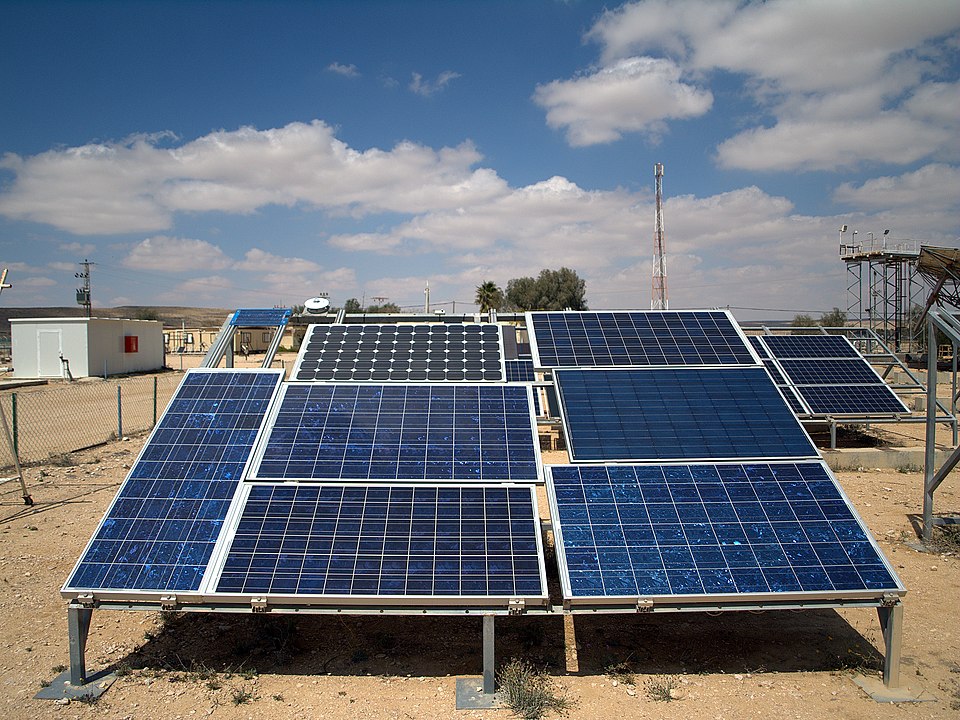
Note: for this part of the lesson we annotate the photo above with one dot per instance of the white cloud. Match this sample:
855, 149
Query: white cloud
137, 187
426, 88
37, 282
847, 81
933, 186
257, 260
172, 254
632, 95
349, 71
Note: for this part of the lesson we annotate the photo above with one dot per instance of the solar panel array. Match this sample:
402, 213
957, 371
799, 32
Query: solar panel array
160, 530
826, 376
520, 371
387, 542
260, 317
438, 352
454, 432
636, 339
677, 414
705, 530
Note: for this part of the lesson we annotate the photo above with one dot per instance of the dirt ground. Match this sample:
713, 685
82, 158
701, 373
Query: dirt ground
732, 665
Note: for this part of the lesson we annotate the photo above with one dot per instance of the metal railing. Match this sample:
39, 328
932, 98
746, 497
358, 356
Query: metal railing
55, 420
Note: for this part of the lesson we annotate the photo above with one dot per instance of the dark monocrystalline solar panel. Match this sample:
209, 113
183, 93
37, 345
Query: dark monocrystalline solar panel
265, 317
810, 346
402, 432
387, 541
435, 352
621, 339
677, 414
830, 372
851, 399
758, 346
711, 530
520, 371
160, 531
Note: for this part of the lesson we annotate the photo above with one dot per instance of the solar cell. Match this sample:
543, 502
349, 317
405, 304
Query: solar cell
710, 531
622, 339
387, 541
520, 371
810, 346
851, 399
380, 353
830, 372
161, 528
261, 317
394, 431
677, 414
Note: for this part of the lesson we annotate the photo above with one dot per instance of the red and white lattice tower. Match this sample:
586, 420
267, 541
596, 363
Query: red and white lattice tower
658, 298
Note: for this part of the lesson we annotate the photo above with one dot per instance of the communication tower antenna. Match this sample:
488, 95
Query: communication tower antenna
658, 298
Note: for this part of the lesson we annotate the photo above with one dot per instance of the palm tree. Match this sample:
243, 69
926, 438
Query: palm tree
489, 296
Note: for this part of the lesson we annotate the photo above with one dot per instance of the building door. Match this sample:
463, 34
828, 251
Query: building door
49, 348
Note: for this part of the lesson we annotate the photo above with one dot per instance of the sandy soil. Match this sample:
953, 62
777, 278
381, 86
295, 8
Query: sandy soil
733, 665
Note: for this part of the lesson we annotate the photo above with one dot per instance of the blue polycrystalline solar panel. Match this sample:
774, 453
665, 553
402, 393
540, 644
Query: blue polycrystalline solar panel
160, 530
830, 372
793, 400
402, 432
710, 530
404, 353
775, 373
677, 414
810, 346
520, 371
260, 317
620, 339
851, 399
387, 541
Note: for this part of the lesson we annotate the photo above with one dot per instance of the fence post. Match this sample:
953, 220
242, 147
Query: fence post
154, 401
119, 416
16, 432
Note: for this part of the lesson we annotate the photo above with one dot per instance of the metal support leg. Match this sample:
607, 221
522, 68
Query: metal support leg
78, 626
489, 662
930, 450
833, 434
891, 622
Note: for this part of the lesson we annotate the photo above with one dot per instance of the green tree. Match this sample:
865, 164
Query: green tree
803, 321
489, 296
385, 308
352, 306
551, 290
834, 318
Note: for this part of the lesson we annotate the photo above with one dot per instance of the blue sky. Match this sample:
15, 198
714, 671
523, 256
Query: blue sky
249, 154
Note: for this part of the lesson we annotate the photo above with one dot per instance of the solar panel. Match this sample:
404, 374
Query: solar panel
851, 399
260, 317
161, 528
677, 414
711, 532
622, 339
758, 345
520, 371
793, 400
447, 432
810, 346
775, 373
387, 542
434, 352
830, 372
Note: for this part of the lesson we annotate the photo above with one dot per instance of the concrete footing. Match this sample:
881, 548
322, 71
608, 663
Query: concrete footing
903, 459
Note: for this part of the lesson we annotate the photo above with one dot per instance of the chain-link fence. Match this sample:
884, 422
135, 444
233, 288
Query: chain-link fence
48, 422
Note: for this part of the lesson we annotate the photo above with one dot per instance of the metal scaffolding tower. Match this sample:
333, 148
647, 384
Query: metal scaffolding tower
658, 298
883, 287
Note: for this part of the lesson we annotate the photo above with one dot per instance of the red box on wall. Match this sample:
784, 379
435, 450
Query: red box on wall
130, 343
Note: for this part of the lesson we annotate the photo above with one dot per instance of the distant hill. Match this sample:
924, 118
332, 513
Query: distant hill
170, 315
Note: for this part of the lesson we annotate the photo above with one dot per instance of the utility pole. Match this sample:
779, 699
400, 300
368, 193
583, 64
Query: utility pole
426, 302
83, 293
658, 297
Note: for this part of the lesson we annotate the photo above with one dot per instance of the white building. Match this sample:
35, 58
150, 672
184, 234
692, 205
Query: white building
47, 347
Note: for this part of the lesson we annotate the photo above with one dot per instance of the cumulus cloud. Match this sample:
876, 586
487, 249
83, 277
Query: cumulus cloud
631, 95
350, 71
932, 186
138, 186
173, 254
421, 86
77, 248
842, 80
